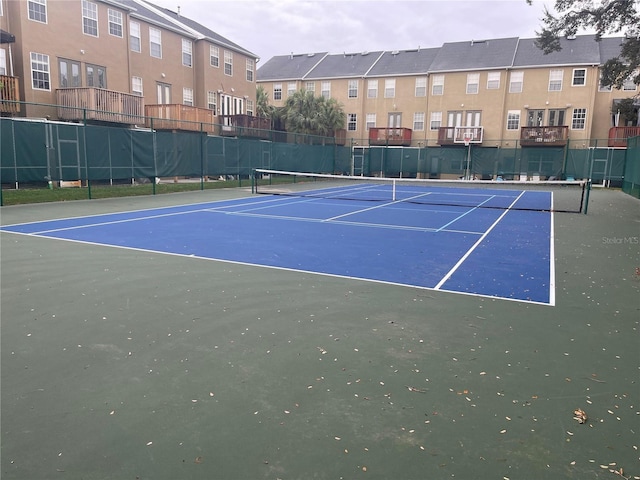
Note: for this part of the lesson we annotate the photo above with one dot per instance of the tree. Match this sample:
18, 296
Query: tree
605, 17
627, 109
307, 114
263, 109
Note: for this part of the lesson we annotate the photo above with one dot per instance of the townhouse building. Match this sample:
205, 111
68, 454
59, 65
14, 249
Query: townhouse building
496, 92
121, 61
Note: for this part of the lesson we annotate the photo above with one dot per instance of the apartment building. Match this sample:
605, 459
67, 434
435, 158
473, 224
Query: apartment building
501, 90
119, 60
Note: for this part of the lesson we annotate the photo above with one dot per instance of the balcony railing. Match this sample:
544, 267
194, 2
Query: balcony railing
618, 135
390, 136
244, 126
9, 93
179, 117
455, 135
555, 136
99, 104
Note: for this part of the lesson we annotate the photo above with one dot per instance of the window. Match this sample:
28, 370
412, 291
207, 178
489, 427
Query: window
371, 120
69, 73
629, 85
277, 91
579, 118
493, 80
250, 109
535, 118
601, 87
37, 10
89, 18
473, 118
325, 89
390, 88
513, 120
473, 83
352, 122
310, 86
155, 42
579, 77
352, 90
212, 101
3, 61
556, 117
421, 87
250, 68
228, 63
437, 87
555, 80
187, 96
40, 79
372, 88
136, 86
516, 82
436, 120
115, 23
214, 56
187, 49
418, 121
291, 88
96, 76
134, 37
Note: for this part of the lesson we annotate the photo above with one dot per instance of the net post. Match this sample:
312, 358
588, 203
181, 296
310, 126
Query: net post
253, 180
586, 200
393, 195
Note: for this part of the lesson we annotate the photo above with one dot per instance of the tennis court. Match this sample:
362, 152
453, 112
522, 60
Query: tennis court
220, 334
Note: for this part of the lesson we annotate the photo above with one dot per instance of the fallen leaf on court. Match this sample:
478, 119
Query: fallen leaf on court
198, 460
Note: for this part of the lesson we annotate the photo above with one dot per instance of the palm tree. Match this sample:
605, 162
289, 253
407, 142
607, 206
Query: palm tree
263, 109
307, 114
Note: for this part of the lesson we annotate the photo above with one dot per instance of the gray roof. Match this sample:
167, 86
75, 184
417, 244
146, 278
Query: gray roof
450, 57
344, 66
404, 62
475, 55
289, 67
582, 50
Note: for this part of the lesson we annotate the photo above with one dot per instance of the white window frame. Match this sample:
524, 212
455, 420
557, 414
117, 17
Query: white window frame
310, 87
418, 121
187, 96
555, 80
421, 87
250, 69
136, 86
3, 61
187, 53
436, 121
574, 77
579, 119
250, 110
352, 122
325, 89
37, 8
155, 42
212, 101
277, 91
473, 83
291, 88
493, 80
352, 89
516, 82
390, 88
134, 33
214, 56
437, 85
228, 63
629, 85
372, 88
370, 120
513, 120
41, 60
115, 21
90, 18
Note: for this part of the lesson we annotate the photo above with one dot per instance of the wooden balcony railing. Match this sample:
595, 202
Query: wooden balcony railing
618, 135
179, 117
556, 136
99, 104
244, 126
390, 136
9, 93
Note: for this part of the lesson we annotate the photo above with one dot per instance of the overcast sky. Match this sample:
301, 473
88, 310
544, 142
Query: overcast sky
279, 27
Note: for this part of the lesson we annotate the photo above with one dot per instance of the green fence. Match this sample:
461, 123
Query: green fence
631, 184
42, 151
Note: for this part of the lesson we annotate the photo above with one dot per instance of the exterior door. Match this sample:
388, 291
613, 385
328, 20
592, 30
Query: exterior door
454, 119
164, 93
395, 121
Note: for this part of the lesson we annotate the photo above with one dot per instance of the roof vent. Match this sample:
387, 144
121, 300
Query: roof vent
395, 52
310, 54
364, 53
571, 36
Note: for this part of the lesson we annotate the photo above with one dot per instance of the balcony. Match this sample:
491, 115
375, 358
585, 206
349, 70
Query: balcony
179, 117
456, 135
9, 93
556, 136
390, 136
618, 135
98, 104
244, 126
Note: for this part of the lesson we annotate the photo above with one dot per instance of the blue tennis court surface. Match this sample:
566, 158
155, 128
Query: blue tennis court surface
496, 252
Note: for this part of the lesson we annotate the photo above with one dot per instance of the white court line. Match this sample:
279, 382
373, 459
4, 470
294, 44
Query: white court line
475, 245
373, 208
465, 213
552, 261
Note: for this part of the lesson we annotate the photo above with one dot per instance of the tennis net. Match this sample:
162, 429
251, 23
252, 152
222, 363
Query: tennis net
554, 195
